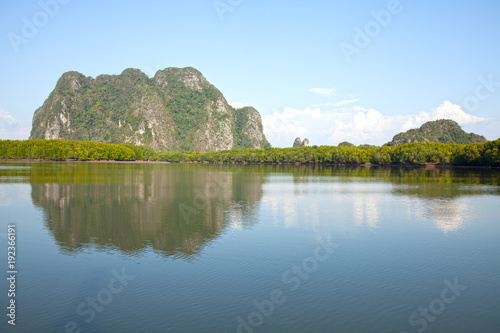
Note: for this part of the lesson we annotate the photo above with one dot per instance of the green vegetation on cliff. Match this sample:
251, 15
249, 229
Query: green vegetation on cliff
443, 131
177, 109
248, 126
475, 154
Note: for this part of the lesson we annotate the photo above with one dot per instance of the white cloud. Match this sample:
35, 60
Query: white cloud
355, 124
323, 91
344, 102
11, 128
447, 110
237, 105
7, 119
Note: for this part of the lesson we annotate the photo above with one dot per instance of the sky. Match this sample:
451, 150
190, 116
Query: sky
329, 71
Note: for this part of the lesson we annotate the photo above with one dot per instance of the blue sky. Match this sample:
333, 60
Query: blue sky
327, 70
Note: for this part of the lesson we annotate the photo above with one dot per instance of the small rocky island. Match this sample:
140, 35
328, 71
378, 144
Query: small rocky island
298, 143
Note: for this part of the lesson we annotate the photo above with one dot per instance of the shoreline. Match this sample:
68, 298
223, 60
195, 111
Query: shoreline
46, 160
427, 166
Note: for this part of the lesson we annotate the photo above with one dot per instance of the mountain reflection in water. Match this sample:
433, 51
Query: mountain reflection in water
178, 209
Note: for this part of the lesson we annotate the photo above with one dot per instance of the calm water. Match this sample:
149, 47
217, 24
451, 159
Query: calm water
211, 248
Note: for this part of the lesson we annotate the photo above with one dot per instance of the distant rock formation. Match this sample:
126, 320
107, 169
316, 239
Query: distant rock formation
298, 143
443, 130
346, 144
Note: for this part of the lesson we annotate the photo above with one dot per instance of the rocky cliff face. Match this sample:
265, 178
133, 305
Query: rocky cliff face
177, 109
298, 143
249, 130
443, 130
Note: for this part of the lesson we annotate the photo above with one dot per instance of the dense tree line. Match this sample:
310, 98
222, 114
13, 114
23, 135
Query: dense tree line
72, 150
484, 154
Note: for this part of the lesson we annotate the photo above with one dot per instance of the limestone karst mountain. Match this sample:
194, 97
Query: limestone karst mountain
443, 130
298, 143
177, 109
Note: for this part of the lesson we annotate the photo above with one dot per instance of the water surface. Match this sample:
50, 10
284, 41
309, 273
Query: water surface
129, 247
